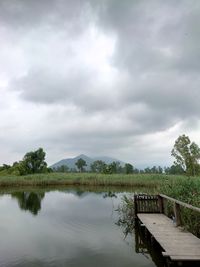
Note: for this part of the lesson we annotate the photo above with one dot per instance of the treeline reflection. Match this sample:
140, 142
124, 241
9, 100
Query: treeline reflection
29, 201
32, 201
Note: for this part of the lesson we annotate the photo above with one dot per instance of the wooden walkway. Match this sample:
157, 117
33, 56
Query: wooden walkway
177, 244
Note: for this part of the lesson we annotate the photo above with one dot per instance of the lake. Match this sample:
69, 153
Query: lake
68, 227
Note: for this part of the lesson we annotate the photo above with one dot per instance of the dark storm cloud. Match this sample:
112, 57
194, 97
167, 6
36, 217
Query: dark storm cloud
158, 45
154, 39
152, 35
26, 14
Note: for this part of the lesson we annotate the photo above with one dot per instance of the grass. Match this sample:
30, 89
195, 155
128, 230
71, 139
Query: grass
186, 190
138, 180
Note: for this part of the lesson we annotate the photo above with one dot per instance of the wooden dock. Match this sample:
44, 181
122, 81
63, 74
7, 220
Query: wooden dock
177, 244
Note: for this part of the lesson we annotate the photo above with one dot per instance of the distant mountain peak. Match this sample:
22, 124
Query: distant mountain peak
82, 156
70, 162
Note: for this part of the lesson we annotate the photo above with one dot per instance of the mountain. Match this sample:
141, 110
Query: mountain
70, 162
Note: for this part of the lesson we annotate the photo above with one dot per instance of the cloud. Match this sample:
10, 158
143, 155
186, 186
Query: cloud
98, 77
26, 15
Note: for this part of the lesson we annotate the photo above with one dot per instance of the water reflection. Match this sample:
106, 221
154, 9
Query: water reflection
143, 245
146, 246
29, 201
109, 194
72, 228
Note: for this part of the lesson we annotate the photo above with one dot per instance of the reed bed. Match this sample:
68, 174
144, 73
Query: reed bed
188, 191
139, 180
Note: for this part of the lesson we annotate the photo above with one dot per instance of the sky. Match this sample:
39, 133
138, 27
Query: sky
104, 78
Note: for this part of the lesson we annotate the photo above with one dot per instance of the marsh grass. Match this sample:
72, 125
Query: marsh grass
139, 180
184, 189
188, 191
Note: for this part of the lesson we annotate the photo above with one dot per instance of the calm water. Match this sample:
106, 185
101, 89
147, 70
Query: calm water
65, 228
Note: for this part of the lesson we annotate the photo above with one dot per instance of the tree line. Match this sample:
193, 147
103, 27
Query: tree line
185, 153
32, 162
100, 166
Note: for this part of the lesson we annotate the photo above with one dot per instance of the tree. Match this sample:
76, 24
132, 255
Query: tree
97, 166
160, 169
186, 155
113, 167
62, 168
81, 163
128, 168
174, 169
136, 171
147, 170
107, 169
33, 162
120, 169
5, 167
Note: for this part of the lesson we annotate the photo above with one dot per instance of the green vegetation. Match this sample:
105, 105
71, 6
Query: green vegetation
186, 155
98, 166
188, 191
185, 189
128, 168
81, 163
157, 181
32, 162
62, 168
45, 179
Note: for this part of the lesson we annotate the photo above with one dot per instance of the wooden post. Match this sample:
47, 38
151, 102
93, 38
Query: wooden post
137, 239
160, 203
177, 214
135, 206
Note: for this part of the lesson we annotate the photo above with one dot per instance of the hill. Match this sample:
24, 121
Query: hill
70, 162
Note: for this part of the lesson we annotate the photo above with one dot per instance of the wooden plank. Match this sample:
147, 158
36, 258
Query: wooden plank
184, 258
176, 243
165, 254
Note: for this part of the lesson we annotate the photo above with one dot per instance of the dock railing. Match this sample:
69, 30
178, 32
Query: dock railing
157, 203
177, 204
148, 204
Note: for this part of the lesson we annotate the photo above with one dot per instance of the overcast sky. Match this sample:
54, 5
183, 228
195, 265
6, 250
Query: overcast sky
99, 77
